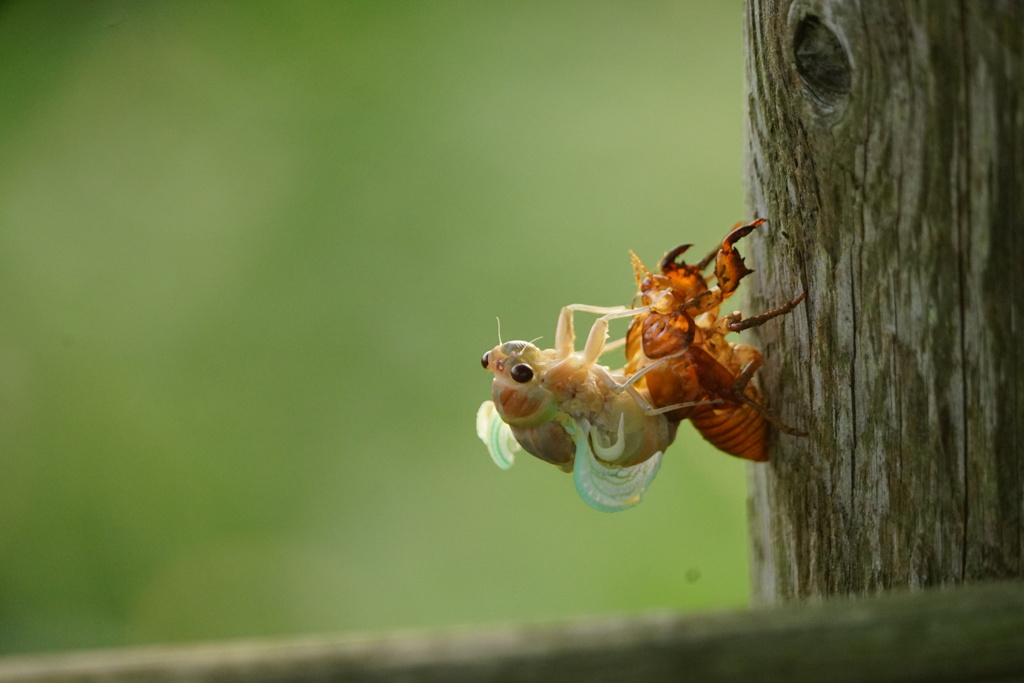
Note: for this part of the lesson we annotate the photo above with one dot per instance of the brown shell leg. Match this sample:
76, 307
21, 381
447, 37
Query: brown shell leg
737, 324
749, 396
729, 265
728, 422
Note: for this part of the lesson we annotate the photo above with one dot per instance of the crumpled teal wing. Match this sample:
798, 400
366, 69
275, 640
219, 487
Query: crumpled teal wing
496, 435
606, 487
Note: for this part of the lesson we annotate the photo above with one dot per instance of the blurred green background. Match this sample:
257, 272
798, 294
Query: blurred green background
251, 256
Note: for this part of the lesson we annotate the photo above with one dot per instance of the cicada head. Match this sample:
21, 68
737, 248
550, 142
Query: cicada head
519, 393
657, 292
686, 280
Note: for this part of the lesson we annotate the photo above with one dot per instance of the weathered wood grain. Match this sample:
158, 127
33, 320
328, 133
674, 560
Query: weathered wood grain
886, 148
967, 634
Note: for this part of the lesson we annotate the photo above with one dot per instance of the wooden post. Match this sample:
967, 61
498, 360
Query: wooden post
886, 148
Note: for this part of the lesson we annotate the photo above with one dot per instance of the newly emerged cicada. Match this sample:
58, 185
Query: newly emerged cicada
679, 342
562, 406
610, 428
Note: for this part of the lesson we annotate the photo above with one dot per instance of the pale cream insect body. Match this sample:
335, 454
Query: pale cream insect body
563, 407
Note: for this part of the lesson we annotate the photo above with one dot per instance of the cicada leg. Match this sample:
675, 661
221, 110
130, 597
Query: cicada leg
612, 345
735, 323
629, 384
729, 265
597, 340
643, 401
740, 393
729, 270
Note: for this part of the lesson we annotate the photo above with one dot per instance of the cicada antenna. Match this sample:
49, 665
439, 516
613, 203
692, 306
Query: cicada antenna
499, 330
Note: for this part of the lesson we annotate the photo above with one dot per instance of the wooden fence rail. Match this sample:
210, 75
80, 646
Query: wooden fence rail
973, 633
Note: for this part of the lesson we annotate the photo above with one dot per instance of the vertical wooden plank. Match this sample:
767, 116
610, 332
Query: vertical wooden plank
883, 143
994, 288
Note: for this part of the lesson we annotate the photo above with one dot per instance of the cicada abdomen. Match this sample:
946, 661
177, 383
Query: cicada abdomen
738, 430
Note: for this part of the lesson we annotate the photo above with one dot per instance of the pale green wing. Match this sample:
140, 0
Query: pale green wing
606, 487
496, 435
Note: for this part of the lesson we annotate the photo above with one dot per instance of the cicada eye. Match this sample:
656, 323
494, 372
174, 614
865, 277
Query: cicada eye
522, 373
485, 361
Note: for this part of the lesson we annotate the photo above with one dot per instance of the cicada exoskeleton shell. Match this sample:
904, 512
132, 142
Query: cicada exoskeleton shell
699, 367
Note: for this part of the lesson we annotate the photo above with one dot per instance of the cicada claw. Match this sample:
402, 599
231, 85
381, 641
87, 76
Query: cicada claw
729, 265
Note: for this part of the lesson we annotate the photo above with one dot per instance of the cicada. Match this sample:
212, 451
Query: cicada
679, 342
610, 428
565, 408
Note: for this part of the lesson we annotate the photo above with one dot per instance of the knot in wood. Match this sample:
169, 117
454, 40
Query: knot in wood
822, 63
